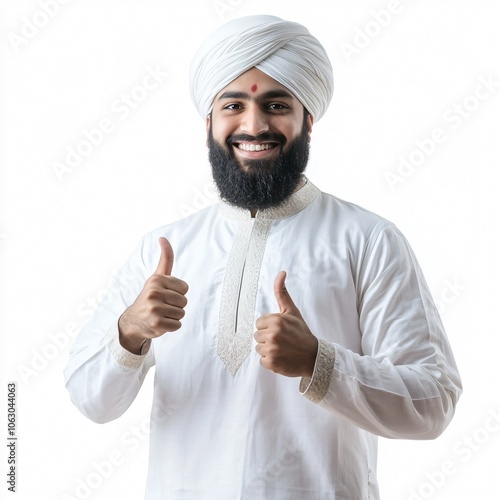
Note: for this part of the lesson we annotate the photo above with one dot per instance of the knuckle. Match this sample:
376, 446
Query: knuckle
155, 322
152, 294
273, 353
154, 280
274, 336
154, 310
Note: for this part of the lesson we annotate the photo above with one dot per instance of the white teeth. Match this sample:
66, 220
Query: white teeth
254, 147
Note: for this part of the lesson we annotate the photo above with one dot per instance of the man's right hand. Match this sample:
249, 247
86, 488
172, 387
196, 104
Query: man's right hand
158, 308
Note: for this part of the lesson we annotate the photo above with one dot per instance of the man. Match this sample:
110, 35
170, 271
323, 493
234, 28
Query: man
288, 328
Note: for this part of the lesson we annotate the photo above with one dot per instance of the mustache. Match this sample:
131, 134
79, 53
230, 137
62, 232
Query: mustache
264, 137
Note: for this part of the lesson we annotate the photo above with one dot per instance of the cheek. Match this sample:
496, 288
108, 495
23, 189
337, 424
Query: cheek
293, 132
222, 129
291, 127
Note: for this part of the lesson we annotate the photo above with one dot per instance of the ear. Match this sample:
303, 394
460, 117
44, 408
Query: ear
309, 124
207, 127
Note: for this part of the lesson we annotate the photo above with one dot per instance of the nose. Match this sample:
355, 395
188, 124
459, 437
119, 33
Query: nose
254, 121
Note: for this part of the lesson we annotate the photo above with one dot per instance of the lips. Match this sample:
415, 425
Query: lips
256, 146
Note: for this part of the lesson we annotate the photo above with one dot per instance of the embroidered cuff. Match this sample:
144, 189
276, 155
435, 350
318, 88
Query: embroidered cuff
315, 388
123, 357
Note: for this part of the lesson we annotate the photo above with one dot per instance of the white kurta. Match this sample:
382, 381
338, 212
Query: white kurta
224, 427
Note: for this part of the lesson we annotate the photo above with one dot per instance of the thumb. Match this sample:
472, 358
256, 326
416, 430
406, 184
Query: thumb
166, 258
283, 298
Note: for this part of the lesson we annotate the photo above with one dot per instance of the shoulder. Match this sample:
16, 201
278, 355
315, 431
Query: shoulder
186, 224
351, 217
371, 241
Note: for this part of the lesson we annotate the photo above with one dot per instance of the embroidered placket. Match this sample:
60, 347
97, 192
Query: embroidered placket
236, 322
241, 280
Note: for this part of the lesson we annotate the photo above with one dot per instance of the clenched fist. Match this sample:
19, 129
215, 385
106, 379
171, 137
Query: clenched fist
158, 308
284, 341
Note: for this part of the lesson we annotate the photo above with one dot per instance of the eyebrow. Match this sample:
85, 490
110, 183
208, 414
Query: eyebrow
271, 94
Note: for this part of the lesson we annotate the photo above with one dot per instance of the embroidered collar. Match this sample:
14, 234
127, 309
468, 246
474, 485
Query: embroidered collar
292, 205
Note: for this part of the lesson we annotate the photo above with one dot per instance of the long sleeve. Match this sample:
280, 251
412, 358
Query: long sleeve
102, 378
384, 365
405, 383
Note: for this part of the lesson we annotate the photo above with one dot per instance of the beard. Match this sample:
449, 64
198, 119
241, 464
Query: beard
263, 183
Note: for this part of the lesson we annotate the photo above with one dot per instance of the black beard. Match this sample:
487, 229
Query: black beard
265, 183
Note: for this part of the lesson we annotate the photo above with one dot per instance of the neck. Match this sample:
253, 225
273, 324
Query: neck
300, 184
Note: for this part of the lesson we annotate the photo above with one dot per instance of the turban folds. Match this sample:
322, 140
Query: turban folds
283, 50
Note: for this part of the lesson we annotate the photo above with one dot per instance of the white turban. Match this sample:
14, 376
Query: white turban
283, 50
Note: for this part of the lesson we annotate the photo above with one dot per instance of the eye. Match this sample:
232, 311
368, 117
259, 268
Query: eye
276, 106
233, 106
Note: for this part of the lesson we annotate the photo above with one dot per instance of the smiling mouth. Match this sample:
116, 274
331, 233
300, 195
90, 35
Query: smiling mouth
256, 146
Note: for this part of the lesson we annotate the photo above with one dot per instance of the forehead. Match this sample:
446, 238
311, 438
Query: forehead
255, 82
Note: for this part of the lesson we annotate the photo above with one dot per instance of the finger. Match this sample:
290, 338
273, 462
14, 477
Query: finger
259, 337
263, 322
174, 298
165, 319
285, 302
259, 348
166, 259
160, 283
164, 325
171, 312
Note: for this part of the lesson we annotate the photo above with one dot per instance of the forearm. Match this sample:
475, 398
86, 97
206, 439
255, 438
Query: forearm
402, 381
406, 401
103, 386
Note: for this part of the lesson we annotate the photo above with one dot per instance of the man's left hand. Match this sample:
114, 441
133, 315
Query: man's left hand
284, 341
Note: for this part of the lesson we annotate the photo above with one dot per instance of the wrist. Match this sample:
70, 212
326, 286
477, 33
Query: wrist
130, 341
311, 363
316, 387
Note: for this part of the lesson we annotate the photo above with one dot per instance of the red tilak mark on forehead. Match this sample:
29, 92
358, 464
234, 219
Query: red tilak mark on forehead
253, 88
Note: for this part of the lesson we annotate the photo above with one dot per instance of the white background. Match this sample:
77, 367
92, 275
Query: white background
63, 236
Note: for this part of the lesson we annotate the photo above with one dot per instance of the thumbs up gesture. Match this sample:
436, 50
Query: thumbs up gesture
158, 308
284, 341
